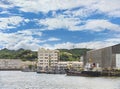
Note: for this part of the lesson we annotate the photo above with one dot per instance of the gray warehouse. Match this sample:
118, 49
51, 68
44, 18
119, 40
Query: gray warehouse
108, 57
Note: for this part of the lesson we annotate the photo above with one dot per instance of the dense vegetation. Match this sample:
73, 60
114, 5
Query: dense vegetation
18, 54
72, 54
65, 54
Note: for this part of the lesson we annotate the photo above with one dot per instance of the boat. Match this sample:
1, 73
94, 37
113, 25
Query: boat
83, 73
91, 73
91, 70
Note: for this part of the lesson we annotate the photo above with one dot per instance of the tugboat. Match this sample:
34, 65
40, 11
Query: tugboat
93, 71
83, 73
88, 71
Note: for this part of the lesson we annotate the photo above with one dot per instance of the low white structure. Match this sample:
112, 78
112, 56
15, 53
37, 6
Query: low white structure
70, 64
118, 61
28, 63
10, 64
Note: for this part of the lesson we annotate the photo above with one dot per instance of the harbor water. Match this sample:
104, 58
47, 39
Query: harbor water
32, 80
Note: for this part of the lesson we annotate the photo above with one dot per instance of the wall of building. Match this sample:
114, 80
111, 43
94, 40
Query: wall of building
29, 66
106, 57
47, 58
15, 64
10, 64
116, 49
94, 56
118, 61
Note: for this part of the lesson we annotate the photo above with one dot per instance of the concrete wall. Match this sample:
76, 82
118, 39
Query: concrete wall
15, 64
106, 57
10, 64
94, 56
116, 49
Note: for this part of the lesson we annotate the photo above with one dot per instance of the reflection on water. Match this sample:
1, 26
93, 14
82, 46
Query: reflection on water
31, 80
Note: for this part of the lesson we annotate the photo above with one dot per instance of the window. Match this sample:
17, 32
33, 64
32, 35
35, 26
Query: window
40, 54
46, 57
40, 57
46, 54
41, 63
55, 54
55, 57
41, 60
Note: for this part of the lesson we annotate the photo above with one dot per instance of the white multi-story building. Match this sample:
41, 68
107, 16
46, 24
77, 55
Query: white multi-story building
47, 58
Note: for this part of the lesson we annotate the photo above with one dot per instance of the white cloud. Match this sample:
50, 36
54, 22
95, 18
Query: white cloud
10, 22
53, 39
115, 13
90, 45
48, 5
30, 32
99, 25
109, 7
60, 22
23, 39
5, 6
82, 12
26, 40
20, 39
23, 44
75, 24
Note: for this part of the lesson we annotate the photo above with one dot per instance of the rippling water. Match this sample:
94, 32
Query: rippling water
31, 80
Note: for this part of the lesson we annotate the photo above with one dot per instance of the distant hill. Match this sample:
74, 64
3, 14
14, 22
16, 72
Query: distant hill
72, 54
18, 54
65, 54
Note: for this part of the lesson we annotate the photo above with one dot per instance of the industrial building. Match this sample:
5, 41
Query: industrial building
108, 57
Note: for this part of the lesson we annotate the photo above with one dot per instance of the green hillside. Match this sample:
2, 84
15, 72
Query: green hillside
65, 54
18, 54
72, 54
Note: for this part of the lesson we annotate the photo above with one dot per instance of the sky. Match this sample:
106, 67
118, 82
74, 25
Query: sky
56, 24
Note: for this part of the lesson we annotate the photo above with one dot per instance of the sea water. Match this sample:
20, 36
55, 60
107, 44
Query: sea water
32, 80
